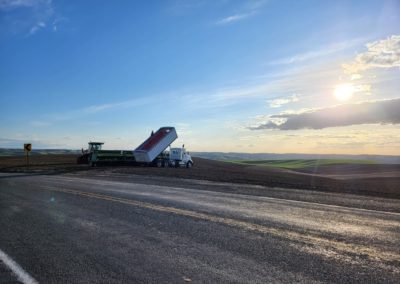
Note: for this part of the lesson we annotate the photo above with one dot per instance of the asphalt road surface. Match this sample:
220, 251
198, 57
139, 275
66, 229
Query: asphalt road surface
76, 229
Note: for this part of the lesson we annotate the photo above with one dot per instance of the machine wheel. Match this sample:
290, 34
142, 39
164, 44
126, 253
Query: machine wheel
159, 164
166, 164
89, 160
189, 165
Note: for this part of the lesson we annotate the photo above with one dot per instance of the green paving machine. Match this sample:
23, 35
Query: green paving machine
94, 155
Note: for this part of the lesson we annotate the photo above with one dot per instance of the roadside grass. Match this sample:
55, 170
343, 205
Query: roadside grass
302, 163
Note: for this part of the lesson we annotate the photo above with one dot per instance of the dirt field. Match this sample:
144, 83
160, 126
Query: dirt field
377, 180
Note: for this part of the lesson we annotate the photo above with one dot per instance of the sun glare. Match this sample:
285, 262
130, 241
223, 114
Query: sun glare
344, 92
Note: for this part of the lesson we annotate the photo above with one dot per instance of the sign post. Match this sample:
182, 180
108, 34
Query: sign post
27, 149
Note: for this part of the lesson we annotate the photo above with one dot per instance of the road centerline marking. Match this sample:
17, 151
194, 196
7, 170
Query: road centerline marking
372, 253
21, 274
261, 198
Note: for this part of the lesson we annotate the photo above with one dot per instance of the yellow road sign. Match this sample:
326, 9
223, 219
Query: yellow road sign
28, 147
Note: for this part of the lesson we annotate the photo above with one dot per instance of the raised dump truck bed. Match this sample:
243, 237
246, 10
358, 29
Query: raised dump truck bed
155, 145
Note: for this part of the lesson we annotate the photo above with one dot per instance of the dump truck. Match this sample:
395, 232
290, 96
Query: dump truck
152, 152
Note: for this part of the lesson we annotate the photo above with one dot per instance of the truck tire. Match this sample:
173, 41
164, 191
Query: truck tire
189, 165
159, 164
166, 164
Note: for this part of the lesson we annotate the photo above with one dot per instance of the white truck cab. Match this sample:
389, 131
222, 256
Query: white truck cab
179, 157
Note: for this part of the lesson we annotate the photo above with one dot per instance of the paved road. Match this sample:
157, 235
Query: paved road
71, 229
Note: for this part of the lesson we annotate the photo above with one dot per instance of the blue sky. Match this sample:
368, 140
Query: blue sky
243, 76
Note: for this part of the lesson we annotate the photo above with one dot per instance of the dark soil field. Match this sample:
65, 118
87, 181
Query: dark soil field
376, 180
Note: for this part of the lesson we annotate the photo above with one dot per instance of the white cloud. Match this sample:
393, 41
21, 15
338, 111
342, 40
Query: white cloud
35, 15
247, 9
309, 80
117, 105
13, 4
233, 18
279, 102
51, 118
317, 53
362, 88
58, 21
380, 54
37, 27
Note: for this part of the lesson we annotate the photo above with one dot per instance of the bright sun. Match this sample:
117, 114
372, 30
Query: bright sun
344, 92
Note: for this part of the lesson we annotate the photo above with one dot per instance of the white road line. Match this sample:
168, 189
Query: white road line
21, 274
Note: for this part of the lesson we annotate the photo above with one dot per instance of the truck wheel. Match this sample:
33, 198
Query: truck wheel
189, 165
166, 164
159, 164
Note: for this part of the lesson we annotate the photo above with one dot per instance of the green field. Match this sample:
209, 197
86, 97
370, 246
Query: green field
302, 163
